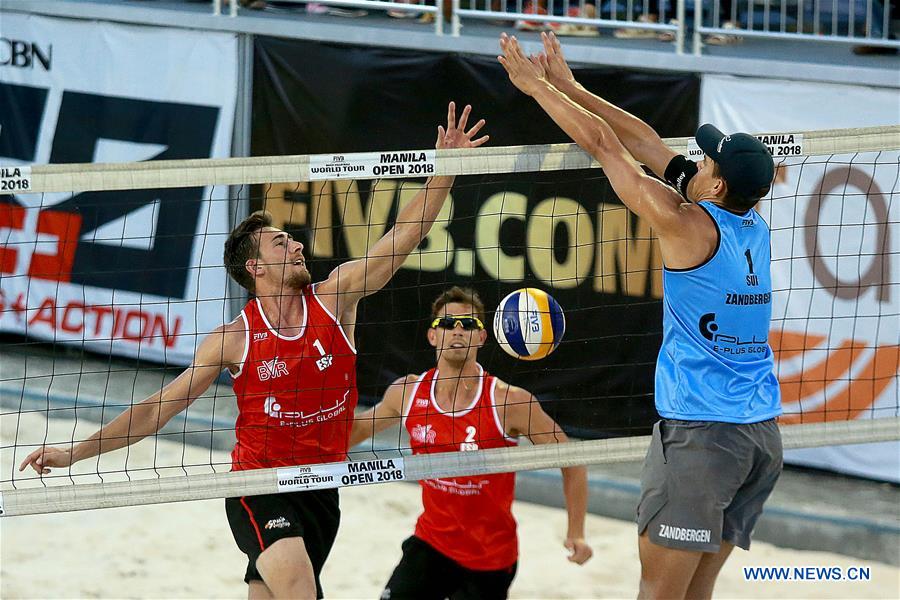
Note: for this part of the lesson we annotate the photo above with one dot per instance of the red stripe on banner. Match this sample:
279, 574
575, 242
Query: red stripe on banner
253, 521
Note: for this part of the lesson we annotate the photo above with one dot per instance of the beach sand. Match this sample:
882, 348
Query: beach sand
185, 550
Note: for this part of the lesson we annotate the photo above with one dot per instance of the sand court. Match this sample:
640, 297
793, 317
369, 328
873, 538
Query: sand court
185, 550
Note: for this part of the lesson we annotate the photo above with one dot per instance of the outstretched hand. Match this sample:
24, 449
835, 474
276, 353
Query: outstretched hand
45, 457
527, 75
554, 63
455, 135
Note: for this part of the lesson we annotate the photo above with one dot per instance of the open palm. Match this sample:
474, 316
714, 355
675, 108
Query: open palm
558, 72
455, 135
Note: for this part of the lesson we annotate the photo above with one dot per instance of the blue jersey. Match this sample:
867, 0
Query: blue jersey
715, 363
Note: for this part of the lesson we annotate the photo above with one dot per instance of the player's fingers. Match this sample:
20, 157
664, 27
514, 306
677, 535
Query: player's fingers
509, 45
514, 47
554, 43
464, 118
440, 136
29, 459
38, 465
480, 141
451, 115
475, 128
548, 45
40, 459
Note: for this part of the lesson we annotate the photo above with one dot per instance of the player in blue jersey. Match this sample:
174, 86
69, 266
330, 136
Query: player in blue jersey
716, 454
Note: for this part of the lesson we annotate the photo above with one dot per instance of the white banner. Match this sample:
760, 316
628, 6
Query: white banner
343, 474
372, 165
835, 261
137, 273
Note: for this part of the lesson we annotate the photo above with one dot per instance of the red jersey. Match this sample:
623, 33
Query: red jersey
295, 395
468, 519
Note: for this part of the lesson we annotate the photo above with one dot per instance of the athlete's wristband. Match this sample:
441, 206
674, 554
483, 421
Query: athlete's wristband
679, 173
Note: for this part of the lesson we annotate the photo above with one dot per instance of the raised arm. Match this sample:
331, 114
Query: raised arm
219, 350
521, 414
641, 140
384, 414
355, 279
687, 235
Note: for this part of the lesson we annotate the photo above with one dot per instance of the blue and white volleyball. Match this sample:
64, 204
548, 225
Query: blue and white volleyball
529, 324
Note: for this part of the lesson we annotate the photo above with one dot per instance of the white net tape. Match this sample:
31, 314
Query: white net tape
477, 161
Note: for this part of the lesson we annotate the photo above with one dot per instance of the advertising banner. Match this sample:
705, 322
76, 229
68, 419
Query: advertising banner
835, 261
564, 232
134, 273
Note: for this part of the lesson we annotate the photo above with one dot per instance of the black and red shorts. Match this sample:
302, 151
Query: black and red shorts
257, 522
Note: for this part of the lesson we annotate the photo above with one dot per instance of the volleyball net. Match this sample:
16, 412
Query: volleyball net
111, 274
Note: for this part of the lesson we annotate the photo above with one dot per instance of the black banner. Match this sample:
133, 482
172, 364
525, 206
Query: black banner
566, 233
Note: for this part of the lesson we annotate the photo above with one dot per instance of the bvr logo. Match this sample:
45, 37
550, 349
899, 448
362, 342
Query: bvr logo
423, 434
271, 369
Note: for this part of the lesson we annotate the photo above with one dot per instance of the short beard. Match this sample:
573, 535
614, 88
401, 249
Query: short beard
298, 281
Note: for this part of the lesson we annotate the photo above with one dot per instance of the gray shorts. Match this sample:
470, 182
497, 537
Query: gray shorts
704, 482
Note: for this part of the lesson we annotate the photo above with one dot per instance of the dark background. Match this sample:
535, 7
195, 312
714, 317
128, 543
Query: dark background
311, 98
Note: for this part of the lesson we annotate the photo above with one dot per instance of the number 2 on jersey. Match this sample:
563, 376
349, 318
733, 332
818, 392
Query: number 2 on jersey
470, 444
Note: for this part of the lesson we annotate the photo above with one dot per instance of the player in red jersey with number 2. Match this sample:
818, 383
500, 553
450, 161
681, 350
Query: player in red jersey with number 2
465, 543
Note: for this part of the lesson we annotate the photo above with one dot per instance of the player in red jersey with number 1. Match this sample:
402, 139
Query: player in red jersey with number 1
293, 360
465, 543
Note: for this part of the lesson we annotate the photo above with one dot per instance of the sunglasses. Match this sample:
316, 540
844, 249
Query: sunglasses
450, 322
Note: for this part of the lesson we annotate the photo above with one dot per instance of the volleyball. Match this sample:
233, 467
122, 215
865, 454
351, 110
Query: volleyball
529, 324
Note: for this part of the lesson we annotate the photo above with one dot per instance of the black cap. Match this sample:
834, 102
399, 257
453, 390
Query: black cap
744, 162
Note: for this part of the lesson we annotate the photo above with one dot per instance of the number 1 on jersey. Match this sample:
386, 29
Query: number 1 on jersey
326, 360
752, 278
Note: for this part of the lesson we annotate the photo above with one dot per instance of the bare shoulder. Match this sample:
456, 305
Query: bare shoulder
328, 293
398, 392
405, 382
331, 285
509, 395
233, 331
224, 345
